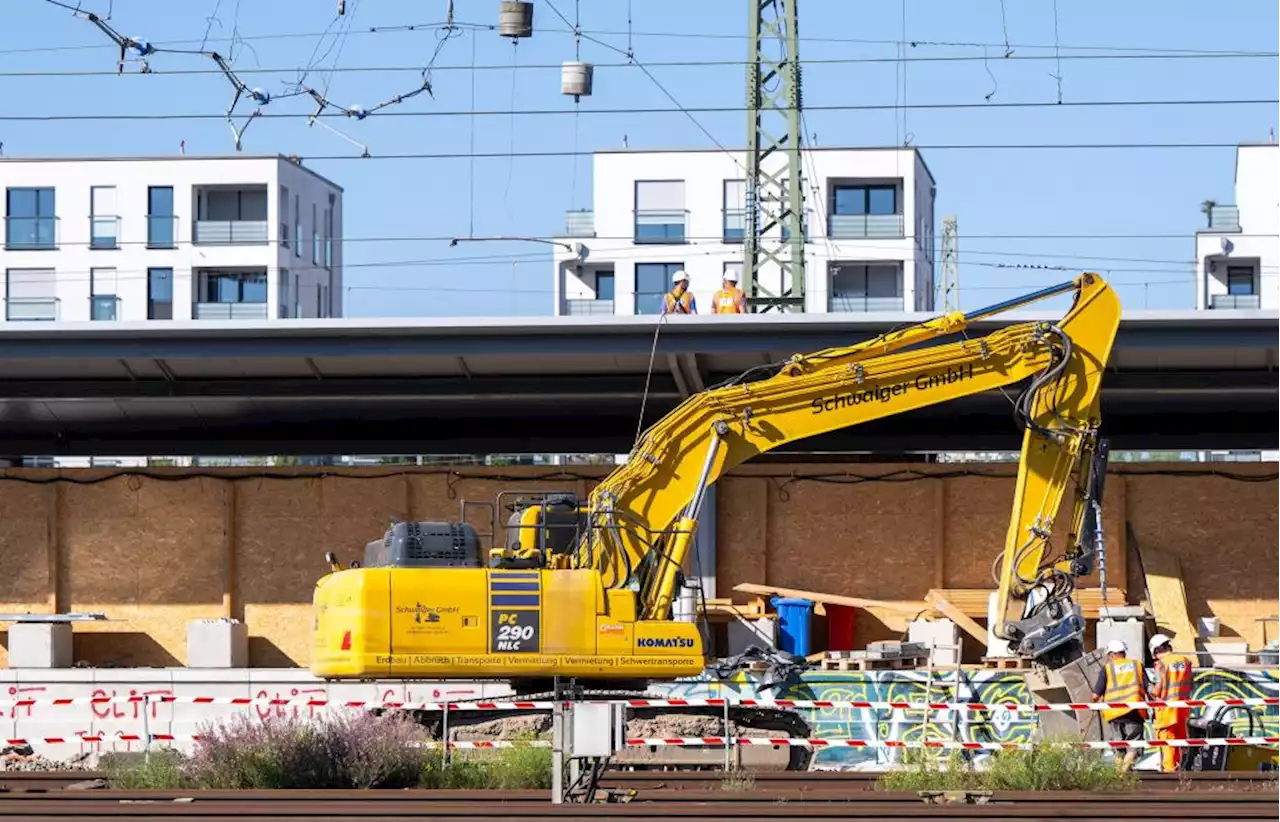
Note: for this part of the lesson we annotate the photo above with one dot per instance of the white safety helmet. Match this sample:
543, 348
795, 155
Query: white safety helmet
680, 276
1157, 641
1117, 646
731, 275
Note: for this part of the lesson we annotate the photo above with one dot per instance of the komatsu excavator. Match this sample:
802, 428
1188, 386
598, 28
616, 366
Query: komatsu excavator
583, 590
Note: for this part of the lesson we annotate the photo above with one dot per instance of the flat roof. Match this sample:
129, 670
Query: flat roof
1180, 379
170, 158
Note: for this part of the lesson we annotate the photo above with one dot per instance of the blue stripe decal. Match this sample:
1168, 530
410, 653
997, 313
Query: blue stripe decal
514, 586
515, 600
514, 575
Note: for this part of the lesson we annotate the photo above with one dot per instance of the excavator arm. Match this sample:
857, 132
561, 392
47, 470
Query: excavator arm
642, 516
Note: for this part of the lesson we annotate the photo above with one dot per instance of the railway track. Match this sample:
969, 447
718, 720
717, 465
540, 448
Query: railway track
454, 806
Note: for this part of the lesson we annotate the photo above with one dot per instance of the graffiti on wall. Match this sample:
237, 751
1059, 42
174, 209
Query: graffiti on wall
985, 686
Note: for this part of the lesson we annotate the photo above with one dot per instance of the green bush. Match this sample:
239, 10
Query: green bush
1049, 765
353, 751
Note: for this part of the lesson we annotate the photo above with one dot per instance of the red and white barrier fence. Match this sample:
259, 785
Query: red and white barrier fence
808, 704
720, 742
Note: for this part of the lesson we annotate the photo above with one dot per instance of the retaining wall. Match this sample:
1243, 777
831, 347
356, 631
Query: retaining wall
156, 550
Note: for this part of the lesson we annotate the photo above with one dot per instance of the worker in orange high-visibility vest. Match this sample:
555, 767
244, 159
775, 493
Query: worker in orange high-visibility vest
679, 299
1174, 673
730, 299
1122, 680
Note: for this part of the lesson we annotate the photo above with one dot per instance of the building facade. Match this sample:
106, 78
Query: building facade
1238, 252
175, 238
869, 220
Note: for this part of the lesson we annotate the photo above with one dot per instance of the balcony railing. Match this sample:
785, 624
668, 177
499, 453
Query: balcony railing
734, 225
660, 227
30, 233
854, 226
580, 223
1224, 218
162, 230
1227, 301
104, 307
31, 308
584, 306
230, 311
230, 232
104, 232
841, 303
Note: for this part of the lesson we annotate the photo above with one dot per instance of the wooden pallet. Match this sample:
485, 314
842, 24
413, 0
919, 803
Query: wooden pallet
863, 664
1002, 663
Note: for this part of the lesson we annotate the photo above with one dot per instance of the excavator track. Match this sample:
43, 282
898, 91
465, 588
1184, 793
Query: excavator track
744, 720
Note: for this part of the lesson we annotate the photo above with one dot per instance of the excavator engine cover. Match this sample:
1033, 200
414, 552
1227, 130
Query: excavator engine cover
425, 545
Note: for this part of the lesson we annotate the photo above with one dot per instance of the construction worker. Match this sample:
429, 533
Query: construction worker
1122, 680
680, 299
1174, 673
730, 299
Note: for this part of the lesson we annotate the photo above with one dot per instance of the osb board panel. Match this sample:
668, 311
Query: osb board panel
742, 510
1224, 535
977, 517
24, 546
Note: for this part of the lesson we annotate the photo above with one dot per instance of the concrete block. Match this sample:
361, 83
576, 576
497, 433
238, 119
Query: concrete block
1121, 612
39, 645
996, 647
743, 633
1225, 654
1129, 631
217, 643
941, 637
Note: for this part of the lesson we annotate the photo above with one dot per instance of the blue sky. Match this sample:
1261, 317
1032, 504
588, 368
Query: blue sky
1021, 196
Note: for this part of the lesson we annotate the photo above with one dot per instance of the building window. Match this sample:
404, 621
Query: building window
233, 287
160, 217
328, 232
103, 302
282, 287
159, 293
30, 223
735, 211
31, 294
877, 199
315, 236
859, 287
660, 212
653, 281
297, 226
604, 285
1239, 279
284, 216
104, 220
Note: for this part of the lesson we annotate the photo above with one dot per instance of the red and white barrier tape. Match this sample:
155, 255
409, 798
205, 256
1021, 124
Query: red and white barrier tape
720, 741
808, 704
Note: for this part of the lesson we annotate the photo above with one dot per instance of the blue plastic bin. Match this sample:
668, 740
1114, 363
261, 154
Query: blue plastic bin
793, 624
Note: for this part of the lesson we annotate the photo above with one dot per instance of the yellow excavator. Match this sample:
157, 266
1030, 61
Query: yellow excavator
583, 590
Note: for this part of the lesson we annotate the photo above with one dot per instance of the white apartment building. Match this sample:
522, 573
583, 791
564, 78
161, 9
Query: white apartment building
172, 238
869, 220
1238, 253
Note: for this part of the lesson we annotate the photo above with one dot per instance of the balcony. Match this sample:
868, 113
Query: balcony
581, 223
587, 306
104, 232
104, 307
1229, 301
660, 227
24, 309
229, 311
847, 304
162, 230
30, 233
230, 232
862, 226
1223, 218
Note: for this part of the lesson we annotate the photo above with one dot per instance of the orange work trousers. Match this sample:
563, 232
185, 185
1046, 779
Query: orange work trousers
1170, 758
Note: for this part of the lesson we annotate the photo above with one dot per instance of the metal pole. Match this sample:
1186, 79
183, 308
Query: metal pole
557, 747
444, 752
728, 733
146, 727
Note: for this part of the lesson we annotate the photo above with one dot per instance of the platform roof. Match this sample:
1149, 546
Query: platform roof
1179, 379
